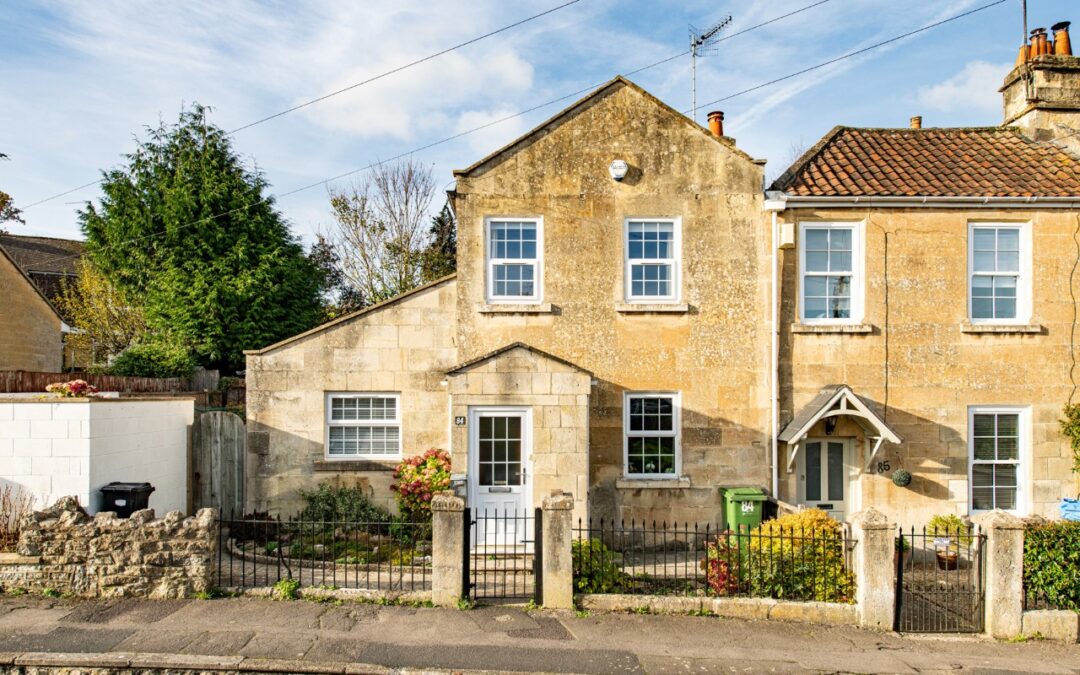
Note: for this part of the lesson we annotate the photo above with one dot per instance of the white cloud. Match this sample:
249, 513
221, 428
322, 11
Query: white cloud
974, 88
486, 141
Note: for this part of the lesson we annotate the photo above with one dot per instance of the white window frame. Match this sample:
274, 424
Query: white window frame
1023, 281
490, 263
328, 423
858, 269
1023, 452
676, 433
675, 262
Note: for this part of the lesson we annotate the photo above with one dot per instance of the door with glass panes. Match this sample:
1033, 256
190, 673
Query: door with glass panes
824, 475
499, 450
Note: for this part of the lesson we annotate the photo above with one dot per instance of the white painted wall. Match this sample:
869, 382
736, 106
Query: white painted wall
52, 449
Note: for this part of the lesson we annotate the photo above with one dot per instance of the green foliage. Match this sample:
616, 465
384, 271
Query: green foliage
185, 228
440, 256
465, 604
596, 568
417, 479
329, 503
50, 593
286, 589
153, 359
1052, 563
1070, 426
797, 556
952, 526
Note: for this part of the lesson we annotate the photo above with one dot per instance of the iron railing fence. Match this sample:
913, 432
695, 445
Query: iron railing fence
502, 554
381, 556
694, 559
939, 580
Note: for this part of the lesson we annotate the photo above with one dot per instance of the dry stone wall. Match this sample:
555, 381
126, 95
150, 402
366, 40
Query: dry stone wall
104, 556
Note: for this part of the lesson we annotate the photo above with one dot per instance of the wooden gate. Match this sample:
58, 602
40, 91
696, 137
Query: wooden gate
218, 462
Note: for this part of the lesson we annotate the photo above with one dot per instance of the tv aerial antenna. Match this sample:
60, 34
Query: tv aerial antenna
703, 43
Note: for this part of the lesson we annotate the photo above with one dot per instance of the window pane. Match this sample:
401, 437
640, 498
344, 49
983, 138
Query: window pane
817, 261
1005, 498
840, 261
817, 240
839, 308
1008, 261
1005, 308
813, 472
1008, 424
982, 475
840, 286
836, 471
984, 239
1008, 239
984, 449
840, 240
982, 286
486, 452
814, 308
984, 424
982, 308
982, 499
984, 261
814, 286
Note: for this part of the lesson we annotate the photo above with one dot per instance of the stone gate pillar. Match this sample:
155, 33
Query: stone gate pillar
447, 549
875, 582
558, 567
1003, 584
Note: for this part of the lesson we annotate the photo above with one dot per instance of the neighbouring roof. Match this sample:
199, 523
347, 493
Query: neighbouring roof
547, 126
837, 399
958, 162
349, 317
514, 345
43, 254
22, 273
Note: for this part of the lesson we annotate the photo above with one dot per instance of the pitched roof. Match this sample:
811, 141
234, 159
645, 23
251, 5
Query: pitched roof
22, 273
548, 125
43, 254
949, 162
349, 317
827, 401
514, 345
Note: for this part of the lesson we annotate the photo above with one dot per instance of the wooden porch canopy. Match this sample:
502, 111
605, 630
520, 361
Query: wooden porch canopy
836, 401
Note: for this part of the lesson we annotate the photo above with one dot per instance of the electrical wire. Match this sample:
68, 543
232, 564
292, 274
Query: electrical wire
350, 87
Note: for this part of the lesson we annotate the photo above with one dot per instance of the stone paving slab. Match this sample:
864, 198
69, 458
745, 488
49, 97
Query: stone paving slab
64, 639
159, 641
219, 643
279, 646
137, 612
499, 658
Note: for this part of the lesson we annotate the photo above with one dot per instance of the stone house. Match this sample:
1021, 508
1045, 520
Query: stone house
30, 327
610, 329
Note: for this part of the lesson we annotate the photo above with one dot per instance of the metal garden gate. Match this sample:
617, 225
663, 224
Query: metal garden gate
940, 581
503, 555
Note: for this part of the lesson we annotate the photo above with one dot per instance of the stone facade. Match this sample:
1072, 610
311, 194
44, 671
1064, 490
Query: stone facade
30, 328
104, 556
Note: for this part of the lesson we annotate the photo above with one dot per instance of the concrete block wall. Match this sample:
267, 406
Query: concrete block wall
72, 447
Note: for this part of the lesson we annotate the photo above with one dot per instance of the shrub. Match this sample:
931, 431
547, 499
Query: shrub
596, 569
417, 479
328, 503
15, 505
798, 556
1052, 563
952, 526
153, 359
71, 389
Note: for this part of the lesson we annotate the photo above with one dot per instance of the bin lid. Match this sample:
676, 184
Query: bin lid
745, 494
127, 487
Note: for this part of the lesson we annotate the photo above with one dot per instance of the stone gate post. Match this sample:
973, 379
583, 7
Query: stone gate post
447, 549
875, 582
558, 566
1003, 583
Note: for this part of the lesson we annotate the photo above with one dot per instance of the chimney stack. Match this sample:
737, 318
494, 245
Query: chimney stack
716, 123
916, 122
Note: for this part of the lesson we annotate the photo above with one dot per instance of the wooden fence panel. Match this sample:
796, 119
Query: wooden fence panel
28, 382
218, 442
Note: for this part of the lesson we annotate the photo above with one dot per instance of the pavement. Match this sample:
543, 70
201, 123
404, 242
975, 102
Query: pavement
302, 636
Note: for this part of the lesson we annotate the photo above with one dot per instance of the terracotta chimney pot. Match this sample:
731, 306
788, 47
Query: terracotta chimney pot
716, 123
1062, 44
916, 122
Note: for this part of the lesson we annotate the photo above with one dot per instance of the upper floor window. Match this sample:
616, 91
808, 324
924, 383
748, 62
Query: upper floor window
363, 425
652, 260
997, 442
831, 272
651, 431
514, 249
999, 259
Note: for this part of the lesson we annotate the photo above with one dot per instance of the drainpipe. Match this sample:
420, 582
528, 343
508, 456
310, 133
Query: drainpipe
774, 365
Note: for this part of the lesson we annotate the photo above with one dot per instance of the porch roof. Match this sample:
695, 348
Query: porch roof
514, 345
835, 401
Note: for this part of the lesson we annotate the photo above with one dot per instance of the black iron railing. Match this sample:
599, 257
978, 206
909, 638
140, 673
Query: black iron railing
503, 554
939, 580
684, 559
384, 556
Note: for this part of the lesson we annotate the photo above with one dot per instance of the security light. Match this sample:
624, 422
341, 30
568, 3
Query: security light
618, 169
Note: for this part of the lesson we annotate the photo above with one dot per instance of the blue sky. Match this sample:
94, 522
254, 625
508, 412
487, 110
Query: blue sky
81, 79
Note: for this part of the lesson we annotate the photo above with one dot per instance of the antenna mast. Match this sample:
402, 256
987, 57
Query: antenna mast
702, 43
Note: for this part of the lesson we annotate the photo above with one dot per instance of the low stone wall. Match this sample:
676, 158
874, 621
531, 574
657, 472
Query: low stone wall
104, 556
1060, 625
737, 608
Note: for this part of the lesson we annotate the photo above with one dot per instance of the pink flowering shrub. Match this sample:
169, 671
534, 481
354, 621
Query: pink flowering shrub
417, 479
72, 389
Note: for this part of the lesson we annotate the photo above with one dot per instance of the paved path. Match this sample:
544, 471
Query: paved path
304, 636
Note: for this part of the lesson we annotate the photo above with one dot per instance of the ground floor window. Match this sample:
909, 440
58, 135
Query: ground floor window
996, 444
363, 425
651, 431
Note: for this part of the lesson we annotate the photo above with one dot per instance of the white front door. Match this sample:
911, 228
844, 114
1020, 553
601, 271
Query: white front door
825, 475
500, 445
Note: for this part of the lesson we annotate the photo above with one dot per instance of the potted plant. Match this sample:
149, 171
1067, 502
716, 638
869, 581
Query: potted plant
950, 532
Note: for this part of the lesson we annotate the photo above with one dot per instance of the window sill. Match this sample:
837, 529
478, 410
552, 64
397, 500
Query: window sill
509, 308
652, 483
831, 328
643, 308
1000, 328
355, 465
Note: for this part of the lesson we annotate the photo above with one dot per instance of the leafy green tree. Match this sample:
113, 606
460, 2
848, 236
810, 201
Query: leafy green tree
185, 229
440, 256
339, 297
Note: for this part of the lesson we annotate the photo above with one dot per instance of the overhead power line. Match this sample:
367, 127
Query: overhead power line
355, 85
520, 113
